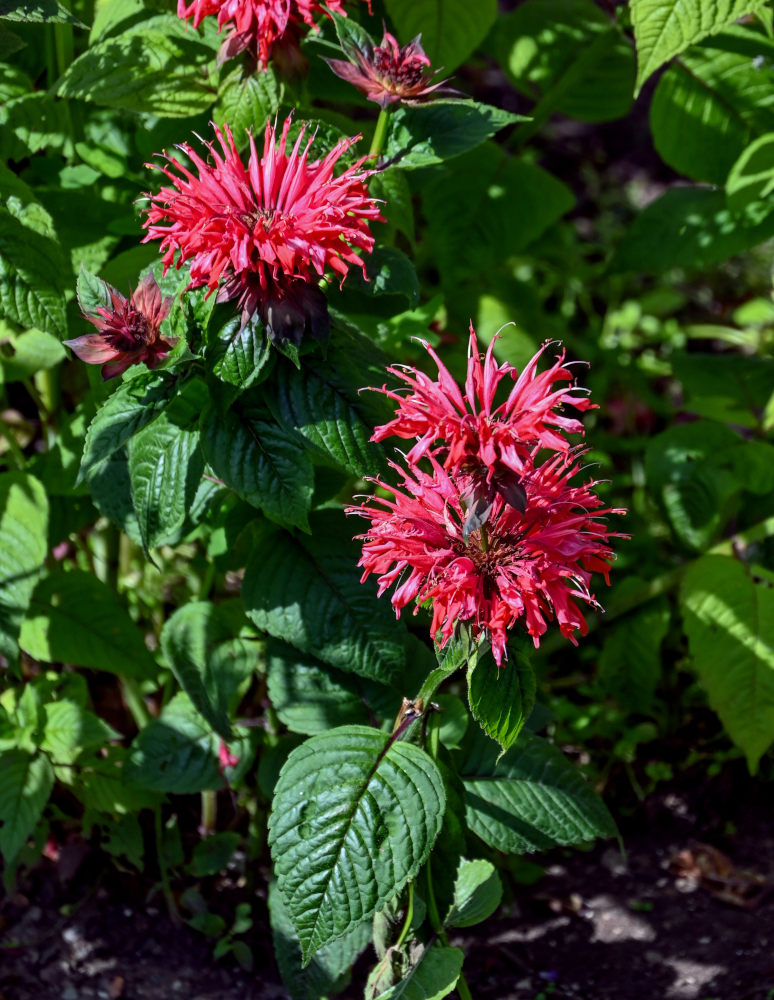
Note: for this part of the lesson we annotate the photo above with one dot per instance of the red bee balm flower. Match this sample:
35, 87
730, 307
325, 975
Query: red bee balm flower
128, 330
258, 25
532, 564
470, 435
387, 73
278, 220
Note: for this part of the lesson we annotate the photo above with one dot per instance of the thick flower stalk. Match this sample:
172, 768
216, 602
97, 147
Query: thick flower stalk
261, 229
470, 433
259, 26
388, 73
527, 566
128, 330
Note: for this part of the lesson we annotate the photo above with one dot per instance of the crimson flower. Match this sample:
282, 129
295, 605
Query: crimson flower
128, 330
471, 435
258, 25
533, 564
387, 73
265, 227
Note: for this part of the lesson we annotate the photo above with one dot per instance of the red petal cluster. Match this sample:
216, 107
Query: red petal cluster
128, 330
387, 73
468, 428
258, 25
277, 219
530, 565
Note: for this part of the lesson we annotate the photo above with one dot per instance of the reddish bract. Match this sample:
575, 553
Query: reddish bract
128, 331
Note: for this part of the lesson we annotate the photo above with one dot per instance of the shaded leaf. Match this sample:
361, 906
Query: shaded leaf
450, 29
25, 785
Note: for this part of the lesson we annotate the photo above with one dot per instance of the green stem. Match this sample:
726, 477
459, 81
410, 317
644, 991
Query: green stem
13, 445
209, 811
409, 918
135, 702
379, 133
166, 888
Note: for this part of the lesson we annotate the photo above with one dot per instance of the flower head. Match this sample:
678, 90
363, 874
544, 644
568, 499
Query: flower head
471, 434
533, 564
260, 26
128, 330
258, 227
387, 73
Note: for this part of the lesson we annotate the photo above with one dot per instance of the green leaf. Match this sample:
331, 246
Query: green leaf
630, 660
688, 472
23, 548
353, 819
165, 467
727, 388
665, 28
75, 618
92, 292
501, 699
391, 187
31, 269
729, 621
111, 493
207, 660
321, 405
211, 856
265, 464
70, 729
39, 10
307, 591
450, 29
531, 799
178, 752
328, 971
471, 210
311, 698
477, 894
133, 405
25, 785
388, 272
433, 977
431, 133
751, 178
31, 123
240, 353
691, 228
154, 66
569, 56
246, 101
707, 108
33, 351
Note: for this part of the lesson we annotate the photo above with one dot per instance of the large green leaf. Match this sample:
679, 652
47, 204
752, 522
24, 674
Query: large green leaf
502, 698
264, 463
432, 977
691, 228
32, 270
328, 971
531, 799
431, 133
75, 618
155, 66
207, 659
630, 661
317, 402
247, 100
134, 405
39, 10
307, 591
310, 697
569, 57
450, 29
665, 28
70, 729
25, 785
710, 105
729, 620
692, 474
751, 178
353, 819
23, 548
178, 752
165, 467
240, 353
